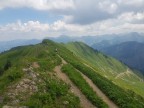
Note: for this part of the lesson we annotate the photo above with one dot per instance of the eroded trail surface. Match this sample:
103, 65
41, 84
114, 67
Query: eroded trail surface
127, 73
100, 93
110, 103
83, 100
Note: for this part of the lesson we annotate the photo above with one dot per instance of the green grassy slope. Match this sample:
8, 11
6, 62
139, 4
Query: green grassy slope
52, 92
78, 80
108, 67
122, 97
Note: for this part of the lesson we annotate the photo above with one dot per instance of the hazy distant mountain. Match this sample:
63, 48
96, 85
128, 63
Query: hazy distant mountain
101, 40
131, 53
65, 39
6, 45
117, 39
95, 41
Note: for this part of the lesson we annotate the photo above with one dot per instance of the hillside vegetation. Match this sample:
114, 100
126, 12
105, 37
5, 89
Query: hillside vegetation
108, 67
28, 79
76, 77
131, 53
37, 87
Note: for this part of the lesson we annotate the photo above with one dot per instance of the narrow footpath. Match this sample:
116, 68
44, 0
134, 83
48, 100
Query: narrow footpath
100, 93
84, 102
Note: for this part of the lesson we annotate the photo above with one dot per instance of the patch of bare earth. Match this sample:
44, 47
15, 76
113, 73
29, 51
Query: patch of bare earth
128, 73
35, 65
121, 75
22, 90
100, 93
110, 103
84, 102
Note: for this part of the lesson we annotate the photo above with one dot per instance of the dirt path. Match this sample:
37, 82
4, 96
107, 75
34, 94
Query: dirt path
83, 100
121, 75
95, 88
127, 73
100, 93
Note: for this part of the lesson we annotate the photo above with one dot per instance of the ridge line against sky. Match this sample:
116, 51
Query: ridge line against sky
26, 19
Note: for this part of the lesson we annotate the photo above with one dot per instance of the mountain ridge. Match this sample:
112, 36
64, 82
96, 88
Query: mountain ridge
104, 65
130, 53
36, 64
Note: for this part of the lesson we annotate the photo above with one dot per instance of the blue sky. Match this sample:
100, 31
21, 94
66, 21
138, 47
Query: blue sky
27, 19
10, 15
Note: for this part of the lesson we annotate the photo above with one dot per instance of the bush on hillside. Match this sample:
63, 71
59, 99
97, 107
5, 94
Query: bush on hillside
7, 65
1, 70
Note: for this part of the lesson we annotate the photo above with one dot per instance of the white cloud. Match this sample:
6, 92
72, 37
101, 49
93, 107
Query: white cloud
135, 3
80, 17
34, 26
35, 29
81, 11
132, 17
37, 4
108, 6
91, 11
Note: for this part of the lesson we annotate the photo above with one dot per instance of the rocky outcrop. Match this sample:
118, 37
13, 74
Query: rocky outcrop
22, 90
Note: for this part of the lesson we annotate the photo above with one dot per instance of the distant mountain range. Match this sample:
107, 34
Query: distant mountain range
131, 53
110, 39
6, 45
117, 39
126, 47
95, 41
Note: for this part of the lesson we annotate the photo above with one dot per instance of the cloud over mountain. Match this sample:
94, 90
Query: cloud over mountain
78, 17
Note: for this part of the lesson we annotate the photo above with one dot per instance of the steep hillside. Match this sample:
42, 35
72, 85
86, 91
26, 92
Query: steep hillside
48, 75
108, 67
131, 53
30, 81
